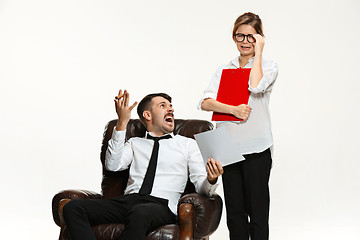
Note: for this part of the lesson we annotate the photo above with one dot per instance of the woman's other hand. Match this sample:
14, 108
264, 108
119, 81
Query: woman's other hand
241, 111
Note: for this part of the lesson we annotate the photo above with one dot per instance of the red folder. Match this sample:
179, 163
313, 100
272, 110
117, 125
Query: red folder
233, 90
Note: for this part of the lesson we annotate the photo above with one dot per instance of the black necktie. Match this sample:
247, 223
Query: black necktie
148, 182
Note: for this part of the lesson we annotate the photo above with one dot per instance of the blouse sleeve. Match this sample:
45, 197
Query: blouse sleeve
270, 72
212, 89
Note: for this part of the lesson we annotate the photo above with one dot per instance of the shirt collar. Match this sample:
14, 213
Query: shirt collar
236, 63
150, 133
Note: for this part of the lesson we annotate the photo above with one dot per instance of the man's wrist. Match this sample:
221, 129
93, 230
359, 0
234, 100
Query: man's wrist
121, 125
212, 182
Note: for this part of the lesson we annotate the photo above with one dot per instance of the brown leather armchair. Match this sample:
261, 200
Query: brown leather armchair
199, 216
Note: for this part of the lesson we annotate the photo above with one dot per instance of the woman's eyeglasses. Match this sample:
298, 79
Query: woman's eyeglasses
239, 37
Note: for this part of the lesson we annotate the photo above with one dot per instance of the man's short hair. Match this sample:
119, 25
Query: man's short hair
145, 104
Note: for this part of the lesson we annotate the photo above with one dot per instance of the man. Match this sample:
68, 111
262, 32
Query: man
160, 165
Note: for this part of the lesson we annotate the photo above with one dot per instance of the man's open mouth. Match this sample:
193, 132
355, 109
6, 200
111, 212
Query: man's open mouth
169, 117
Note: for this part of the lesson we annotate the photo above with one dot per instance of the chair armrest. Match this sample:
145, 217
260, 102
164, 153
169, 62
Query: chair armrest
206, 213
70, 194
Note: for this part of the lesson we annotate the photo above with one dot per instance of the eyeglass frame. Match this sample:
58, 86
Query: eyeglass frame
245, 36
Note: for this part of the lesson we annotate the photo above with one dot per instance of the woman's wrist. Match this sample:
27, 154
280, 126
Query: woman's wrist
258, 54
231, 110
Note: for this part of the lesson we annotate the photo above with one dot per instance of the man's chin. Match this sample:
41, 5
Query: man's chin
169, 129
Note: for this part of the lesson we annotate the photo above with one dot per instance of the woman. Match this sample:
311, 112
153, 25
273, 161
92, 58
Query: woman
245, 183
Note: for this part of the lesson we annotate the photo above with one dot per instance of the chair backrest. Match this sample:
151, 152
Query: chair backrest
114, 183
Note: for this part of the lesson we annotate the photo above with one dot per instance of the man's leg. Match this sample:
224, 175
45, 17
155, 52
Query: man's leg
144, 217
81, 214
256, 172
237, 218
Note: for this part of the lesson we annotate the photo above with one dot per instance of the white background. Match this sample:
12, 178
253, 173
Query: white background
62, 63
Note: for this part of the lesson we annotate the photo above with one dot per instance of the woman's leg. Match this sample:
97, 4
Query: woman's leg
256, 172
237, 218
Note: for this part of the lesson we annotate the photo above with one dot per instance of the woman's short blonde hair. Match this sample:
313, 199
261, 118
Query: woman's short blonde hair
251, 19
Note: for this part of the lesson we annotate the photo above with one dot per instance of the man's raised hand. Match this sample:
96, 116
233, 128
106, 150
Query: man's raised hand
123, 109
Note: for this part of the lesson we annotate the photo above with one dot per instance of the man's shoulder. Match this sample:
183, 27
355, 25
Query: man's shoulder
187, 145
182, 138
137, 139
185, 141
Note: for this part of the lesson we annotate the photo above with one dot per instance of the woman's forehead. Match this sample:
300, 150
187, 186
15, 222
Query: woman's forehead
245, 28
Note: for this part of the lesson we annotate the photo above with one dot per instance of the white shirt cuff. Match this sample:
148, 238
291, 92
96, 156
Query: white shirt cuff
210, 188
118, 136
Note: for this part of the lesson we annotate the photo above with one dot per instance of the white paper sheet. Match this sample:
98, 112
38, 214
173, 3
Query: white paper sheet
218, 144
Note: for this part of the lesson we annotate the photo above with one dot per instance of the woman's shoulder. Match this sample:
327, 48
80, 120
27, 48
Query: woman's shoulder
269, 65
269, 62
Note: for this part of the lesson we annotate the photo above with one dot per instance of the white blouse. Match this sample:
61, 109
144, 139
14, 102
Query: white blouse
253, 135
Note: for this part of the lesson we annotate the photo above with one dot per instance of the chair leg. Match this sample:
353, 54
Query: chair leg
186, 221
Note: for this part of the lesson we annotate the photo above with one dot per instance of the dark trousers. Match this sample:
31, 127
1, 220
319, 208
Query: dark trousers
140, 214
247, 199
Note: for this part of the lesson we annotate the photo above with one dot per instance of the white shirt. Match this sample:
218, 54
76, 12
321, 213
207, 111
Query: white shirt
179, 158
253, 135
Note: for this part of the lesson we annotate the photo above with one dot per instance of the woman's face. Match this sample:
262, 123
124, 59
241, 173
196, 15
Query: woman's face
245, 48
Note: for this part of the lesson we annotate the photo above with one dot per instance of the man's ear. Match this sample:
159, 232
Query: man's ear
147, 115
